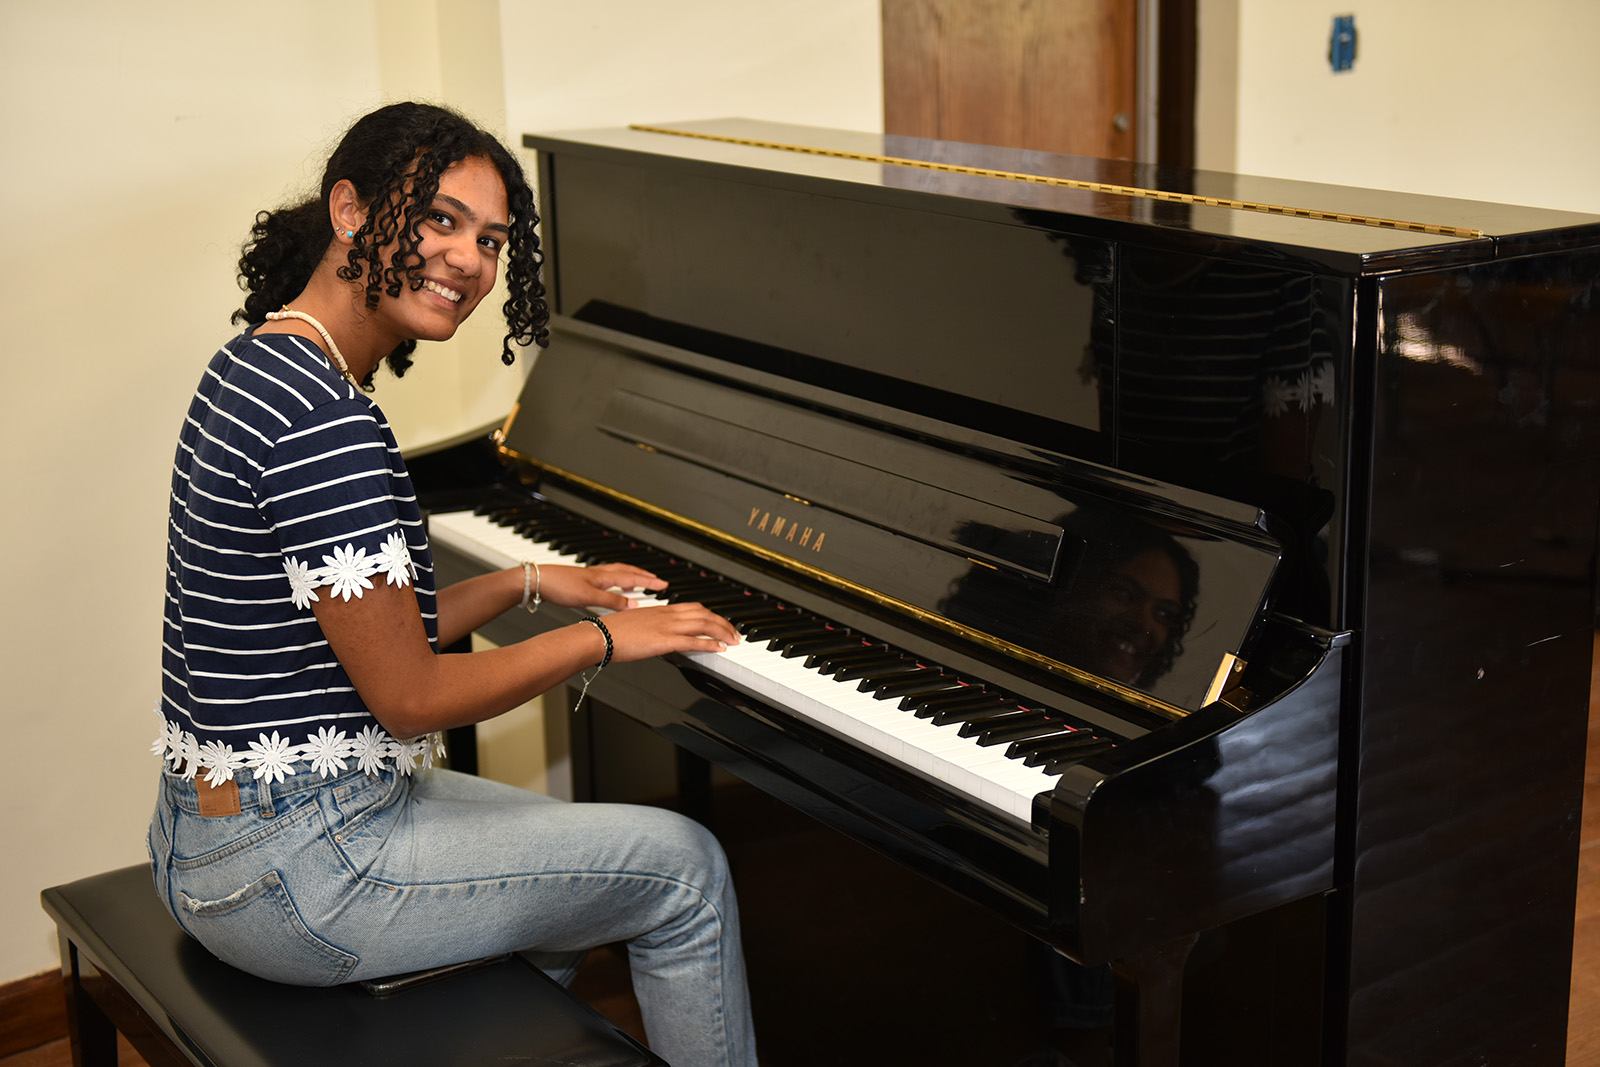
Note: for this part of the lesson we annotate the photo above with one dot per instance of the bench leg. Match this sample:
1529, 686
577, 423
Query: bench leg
89, 1030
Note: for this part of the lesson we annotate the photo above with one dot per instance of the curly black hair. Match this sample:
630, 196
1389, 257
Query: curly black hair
394, 157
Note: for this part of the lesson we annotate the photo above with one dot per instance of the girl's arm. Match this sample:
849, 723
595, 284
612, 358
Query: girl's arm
380, 641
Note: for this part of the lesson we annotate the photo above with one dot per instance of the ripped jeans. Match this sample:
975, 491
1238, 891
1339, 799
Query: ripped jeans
322, 881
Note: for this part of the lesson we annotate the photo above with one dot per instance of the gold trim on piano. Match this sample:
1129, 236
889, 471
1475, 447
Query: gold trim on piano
1440, 229
499, 436
1104, 685
1227, 677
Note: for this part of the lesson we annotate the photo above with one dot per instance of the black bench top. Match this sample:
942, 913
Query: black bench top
217, 1015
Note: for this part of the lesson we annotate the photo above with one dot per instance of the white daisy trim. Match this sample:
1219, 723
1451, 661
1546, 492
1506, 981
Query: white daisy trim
325, 754
349, 571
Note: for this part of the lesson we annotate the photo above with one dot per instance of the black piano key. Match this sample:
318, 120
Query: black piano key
540, 529
1004, 733
832, 641
583, 544
1062, 763
861, 669
918, 678
748, 624
627, 552
828, 662
506, 516
900, 668
679, 583
727, 601
956, 697
596, 556
766, 611
973, 717
539, 537
1042, 750
702, 583
789, 626
756, 608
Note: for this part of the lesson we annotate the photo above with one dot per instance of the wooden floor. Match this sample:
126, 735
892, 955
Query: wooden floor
818, 998
1583, 1018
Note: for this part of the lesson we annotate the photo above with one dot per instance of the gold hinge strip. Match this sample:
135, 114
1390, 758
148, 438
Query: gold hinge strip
1073, 183
1226, 678
1104, 685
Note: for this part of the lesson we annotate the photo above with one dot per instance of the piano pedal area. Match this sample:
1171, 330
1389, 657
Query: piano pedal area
856, 961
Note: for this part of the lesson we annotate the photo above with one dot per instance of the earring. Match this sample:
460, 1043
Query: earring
349, 233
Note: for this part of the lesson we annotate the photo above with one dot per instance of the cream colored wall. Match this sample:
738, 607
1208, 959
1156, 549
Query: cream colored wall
141, 139
574, 65
1468, 98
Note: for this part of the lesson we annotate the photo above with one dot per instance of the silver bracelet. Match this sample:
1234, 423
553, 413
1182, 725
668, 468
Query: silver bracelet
532, 580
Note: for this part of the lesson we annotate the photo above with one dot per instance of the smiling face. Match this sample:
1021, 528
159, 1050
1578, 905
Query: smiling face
1124, 616
458, 244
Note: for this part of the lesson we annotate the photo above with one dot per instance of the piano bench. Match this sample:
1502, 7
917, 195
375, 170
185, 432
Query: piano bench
126, 966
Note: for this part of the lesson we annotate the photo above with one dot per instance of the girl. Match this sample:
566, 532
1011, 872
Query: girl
301, 832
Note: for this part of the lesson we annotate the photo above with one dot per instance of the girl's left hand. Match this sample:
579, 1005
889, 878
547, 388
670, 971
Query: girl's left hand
591, 587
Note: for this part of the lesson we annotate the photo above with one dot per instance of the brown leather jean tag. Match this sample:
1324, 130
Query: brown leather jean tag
217, 800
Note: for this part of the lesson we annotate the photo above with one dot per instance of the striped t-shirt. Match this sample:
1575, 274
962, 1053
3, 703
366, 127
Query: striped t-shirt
287, 487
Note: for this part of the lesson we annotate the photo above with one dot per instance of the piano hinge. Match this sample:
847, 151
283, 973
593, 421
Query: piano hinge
499, 436
1229, 673
644, 447
1442, 229
796, 499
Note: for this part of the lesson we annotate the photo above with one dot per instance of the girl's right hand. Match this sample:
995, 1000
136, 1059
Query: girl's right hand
654, 631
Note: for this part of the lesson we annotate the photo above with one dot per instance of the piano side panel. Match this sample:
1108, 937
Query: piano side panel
1479, 613
1213, 819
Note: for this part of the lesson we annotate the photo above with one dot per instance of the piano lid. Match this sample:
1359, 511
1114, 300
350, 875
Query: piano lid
1347, 227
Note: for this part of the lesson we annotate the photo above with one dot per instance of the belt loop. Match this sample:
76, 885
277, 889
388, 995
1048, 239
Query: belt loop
264, 796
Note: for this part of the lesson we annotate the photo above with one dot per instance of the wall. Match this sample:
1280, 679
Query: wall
1467, 98
142, 138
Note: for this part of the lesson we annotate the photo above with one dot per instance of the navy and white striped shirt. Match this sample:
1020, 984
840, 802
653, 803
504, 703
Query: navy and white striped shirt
287, 487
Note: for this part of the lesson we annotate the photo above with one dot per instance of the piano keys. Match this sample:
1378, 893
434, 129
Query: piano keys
984, 743
1144, 555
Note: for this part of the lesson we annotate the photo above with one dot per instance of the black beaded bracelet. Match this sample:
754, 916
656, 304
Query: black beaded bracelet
605, 633
587, 678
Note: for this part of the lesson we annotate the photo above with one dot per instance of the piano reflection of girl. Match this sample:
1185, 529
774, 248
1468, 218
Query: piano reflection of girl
1131, 601
301, 832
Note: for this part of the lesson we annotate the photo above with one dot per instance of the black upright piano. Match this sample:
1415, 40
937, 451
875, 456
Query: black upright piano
1136, 552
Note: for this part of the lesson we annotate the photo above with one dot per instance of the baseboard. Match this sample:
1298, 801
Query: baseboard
33, 1012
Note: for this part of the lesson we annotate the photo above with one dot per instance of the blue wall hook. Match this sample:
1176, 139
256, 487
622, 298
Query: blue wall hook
1342, 45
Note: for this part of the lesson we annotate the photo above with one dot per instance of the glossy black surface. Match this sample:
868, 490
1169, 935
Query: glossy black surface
1347, 248
1062, 559
1479, 615
948, 412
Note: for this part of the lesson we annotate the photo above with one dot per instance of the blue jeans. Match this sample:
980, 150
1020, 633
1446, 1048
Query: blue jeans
322, 881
